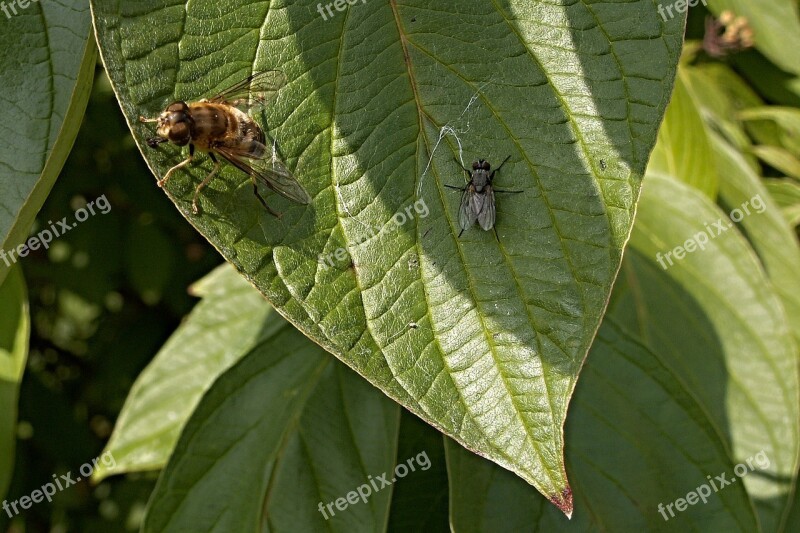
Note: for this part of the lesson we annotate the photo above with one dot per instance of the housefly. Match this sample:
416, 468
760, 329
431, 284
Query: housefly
477, 198
222, 126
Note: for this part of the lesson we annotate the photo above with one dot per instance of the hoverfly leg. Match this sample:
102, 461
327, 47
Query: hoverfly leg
509, 192
263, 202
462, 189
179, 166
205, 182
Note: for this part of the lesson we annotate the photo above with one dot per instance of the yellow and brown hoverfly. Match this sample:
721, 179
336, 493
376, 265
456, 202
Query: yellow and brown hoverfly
221, 125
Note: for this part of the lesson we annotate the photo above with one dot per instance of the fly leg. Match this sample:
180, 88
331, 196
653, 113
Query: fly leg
491, 176
205, 182
179, 166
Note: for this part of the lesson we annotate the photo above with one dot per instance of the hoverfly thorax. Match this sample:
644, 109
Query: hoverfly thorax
176, 124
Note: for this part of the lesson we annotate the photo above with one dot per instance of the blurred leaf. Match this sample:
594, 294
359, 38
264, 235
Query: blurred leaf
786, 193
775, 24
225, 325
150, 259
46, 82
419, 503
285, 432
15, 327
628, 461
784, 122
720, 94
774, 84
683, 149
765, 228
481, 336
716, 322
778, 158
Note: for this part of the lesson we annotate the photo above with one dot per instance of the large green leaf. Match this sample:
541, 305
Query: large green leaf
716, 386
282, 434
716, 321
225, 325
481, 336
46, 72
15, 325
629, 462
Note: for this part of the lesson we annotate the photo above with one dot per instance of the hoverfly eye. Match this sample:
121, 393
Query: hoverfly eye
476, 165
486, 165
178, 107
179, 133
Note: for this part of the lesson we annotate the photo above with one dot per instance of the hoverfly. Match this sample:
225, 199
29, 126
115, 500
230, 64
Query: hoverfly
477, 200
221, 126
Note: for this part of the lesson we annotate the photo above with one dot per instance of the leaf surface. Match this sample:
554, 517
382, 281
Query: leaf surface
482, 336
46, 73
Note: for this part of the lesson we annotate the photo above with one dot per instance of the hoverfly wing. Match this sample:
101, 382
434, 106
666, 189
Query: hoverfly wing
262, 166
466, 215
253, 92
487, 213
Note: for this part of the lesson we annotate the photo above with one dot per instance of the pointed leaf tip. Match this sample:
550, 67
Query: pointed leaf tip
564, 501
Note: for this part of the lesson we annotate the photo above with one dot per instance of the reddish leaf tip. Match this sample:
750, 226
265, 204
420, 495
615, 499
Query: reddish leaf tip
564, 501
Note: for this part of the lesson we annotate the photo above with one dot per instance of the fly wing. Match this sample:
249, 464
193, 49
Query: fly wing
253, 92
486, 215
265, 168
466, 214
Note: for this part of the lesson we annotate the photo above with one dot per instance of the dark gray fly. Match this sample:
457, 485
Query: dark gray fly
477, 198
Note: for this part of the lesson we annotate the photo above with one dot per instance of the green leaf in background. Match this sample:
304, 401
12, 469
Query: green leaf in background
775, 24
15, 326
779, 126
283, 433
786, 193
419, 503
767, 232
774, 84
46, 82
718, 325
720, 95
780, 159
231, 318
482, 337
683, 149
636, 442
